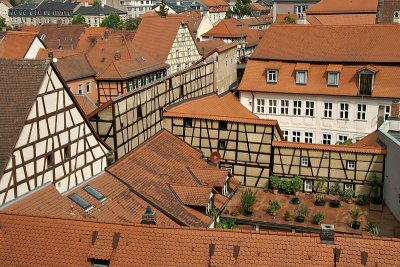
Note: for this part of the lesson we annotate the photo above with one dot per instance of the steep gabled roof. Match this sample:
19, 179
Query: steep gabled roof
20, 81
342, 19
344, 7
15, 44
320, 43
231, 28
192, 195
224, 107
85, 103
156, 35
68, 67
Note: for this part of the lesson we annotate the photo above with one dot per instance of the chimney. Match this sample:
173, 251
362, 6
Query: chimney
395, 109
50, 54
149, 216
381, 116
301, 18
110, 158
327, 234
396, 17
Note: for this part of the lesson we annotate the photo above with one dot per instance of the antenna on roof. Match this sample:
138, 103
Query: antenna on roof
215, 157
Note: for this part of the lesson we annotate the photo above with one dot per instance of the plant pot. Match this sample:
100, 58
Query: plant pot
376, 200
350, 201
320, 203
296, 194
294, 201
248, 213
275, 191
334, 203
300, 219
355, 225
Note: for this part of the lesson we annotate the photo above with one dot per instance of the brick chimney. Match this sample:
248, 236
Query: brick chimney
149, 216
394, 111
327, 234
50, 54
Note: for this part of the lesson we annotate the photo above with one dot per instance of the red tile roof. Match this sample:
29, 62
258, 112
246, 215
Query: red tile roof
230, 28
206, 47
347, 19
257, 7
371, 140
339, 148
214, 3
387, 12
192, 195
215, 178
67, 66
375, 43
85, 103
343, 7
255, 21
34, 241
224, 107
6, 3
253, 37
15, 44
254, 79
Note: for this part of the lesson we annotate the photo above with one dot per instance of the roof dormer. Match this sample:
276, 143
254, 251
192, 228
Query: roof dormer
272, 71
333, 74
366, 79
302, 72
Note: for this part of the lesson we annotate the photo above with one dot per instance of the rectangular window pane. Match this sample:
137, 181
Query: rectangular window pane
297, 107
296, 136
308, 137
260, 108
326, 139
272, 106
310, 108
333, 78
285, 107
328, 110
361, 111
344, 111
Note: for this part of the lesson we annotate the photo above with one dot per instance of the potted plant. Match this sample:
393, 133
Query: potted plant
285, 186
274, 206
318, 218
348, 195
287, 216
335, 191
295, 185
355, 215
275, 183
320, 200
319, 185
248, 199
376, 185
301, 213
362, 199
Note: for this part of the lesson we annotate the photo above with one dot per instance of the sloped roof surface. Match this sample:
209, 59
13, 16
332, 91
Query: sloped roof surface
74, 67
98, 10
20, 81
342, 19
343, 7
15, 44
227, 28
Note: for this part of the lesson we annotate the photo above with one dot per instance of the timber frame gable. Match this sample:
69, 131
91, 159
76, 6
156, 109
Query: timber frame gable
55, 143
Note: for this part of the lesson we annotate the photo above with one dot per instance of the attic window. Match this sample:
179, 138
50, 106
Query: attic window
100, 263
80, 201
94, 193
333, 78
272, 76
366, 82
301, 77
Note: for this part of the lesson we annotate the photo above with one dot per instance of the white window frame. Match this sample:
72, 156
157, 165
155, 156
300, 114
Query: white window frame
297, 107
335, 80
388, 109
80, 89
260, 105
285, 107
88, 87
272, 106
344, 111
351, 165
310, 108
361, 114
325, 138
272, 76
304, 161
300, 81
308, 137
285, 135
328, 110
308, 186
347, 186
342, 138
296, 136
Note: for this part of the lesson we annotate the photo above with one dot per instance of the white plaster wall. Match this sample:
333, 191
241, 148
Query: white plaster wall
34, 49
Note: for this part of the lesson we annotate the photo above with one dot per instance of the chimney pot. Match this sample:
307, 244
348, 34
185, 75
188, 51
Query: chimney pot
327, 234
149, 216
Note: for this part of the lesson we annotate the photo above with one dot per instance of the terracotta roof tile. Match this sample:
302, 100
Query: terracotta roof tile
207, 177
192, 195
15, 44
388, 9
257, 7
343, 7
386, 79
216, 3
375, 43
67, 66
342, 19
339, 148
227, 28
255, 21
224, 107
20, 81
53, 242
253, 36
206, 47
371, 140
85, 103
6, 3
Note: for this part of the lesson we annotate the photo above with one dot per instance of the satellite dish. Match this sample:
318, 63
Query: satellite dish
215, 157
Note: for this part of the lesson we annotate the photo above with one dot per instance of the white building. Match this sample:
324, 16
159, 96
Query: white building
137, 7
4, 7
323, 89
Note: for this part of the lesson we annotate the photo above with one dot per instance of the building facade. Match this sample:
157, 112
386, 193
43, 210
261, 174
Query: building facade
4, 7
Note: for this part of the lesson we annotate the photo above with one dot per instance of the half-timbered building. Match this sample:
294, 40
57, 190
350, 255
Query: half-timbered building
45, 137
19, 45
221, 124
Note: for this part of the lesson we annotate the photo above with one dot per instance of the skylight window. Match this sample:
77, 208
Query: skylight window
94, 193
81, 202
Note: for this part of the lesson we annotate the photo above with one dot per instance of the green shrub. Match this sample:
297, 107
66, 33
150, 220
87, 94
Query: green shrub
227, 223
287, 216
275, 182
248, 200
274, 206
302, 210
318, 218
348, 194
362, 199
355, 214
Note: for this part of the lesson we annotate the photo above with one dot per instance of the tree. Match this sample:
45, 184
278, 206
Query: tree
132, 23
78, 19
96, 2
163, 9
242, 8
112, 21
2, 22
288, 20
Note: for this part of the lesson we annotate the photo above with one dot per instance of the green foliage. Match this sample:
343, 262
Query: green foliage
13, 2
295, 184
320, 197
376, 184
248, 200
348, 194
2, 22
373, 228
131, 23
320, 184
275, 182
335, 189
287, 216
288, 20
362, 199
318, 218
274, 206
163, 9
355, 214
302, 210
348, 142
214, 212
234, 212
96, 2
78, 19
285, 185
227, 223
112, 21
241, 8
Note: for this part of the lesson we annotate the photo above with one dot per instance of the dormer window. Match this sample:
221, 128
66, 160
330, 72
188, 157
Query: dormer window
272, 76
333, 78
366, 77
301, 77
